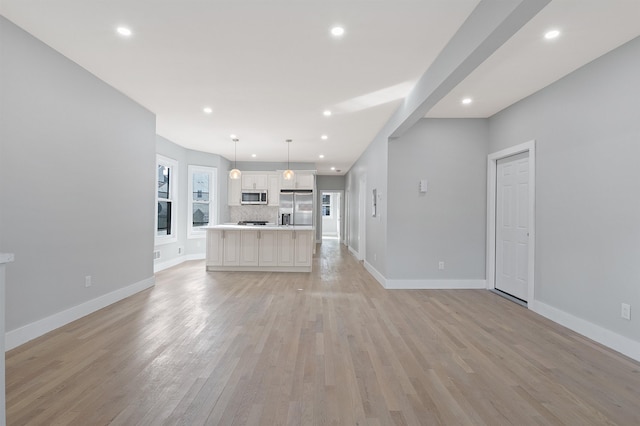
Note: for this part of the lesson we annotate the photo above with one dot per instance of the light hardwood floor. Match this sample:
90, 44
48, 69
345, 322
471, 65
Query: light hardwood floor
330, 347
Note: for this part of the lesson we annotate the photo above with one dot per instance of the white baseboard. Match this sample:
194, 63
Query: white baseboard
376, 274
353, 252
161, 266
615, 341
17, 337
435, 284
390, 284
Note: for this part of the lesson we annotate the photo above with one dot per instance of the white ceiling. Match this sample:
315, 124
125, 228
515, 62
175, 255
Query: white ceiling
268, 69
527, 62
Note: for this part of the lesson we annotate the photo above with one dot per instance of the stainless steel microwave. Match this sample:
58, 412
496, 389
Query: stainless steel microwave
254, 197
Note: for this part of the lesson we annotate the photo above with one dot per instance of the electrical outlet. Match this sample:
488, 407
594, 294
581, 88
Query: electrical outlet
179, 250
625, 311
87, 281
441, 265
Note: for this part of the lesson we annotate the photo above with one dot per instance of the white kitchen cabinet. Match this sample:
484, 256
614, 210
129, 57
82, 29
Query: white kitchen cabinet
215, 247
268, 248
286, 248
260, 248
303, 248
231, 256
234, 192
254, 181
273, 192
249, 248
305, 180
301, 180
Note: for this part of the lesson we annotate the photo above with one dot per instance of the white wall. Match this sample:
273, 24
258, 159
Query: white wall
76, 182
587, 132
448, 222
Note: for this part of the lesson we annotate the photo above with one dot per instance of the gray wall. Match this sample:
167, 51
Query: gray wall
448, 223
371, 168
587, 132
186, 157
76, 181
329, 183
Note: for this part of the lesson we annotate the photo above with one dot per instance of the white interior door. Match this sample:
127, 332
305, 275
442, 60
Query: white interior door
512, 225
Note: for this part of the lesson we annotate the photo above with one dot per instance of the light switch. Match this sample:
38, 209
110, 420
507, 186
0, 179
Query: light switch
423, 185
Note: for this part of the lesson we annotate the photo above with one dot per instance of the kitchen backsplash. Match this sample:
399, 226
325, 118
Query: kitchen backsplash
268, 213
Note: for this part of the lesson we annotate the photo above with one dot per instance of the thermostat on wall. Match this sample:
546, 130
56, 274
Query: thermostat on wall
423, 185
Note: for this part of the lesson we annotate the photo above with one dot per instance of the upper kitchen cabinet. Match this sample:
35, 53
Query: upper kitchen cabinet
254, 181
273, 194
301, 180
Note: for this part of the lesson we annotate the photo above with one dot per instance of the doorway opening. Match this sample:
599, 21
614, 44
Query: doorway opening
510, 222
330, 214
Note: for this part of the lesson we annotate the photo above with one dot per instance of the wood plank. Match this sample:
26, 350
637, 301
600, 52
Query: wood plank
328, 347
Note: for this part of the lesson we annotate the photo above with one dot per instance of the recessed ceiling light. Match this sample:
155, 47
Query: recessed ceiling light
207, 110
549, 35
337, 31
254, 155
324, 137
467, 101
321, 156
124, 31
232, 136
333, 168
327, 113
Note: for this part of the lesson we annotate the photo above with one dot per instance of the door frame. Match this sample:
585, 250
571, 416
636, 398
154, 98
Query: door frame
492, 176
340, 217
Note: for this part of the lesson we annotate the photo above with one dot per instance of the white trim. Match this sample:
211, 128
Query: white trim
212, 172
354, 252
435, 284
19, 336
375, 273
400, 284
161, 266
492, 164
615, 341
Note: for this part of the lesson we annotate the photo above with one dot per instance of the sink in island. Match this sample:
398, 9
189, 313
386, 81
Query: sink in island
260, 248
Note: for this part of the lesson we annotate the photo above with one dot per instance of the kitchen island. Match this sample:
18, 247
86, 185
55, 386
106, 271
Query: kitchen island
260, 248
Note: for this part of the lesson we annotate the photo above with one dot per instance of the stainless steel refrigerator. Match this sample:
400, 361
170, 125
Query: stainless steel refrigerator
296, 207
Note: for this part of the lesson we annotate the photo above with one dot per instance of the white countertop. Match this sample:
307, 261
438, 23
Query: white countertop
268, 227
6, 257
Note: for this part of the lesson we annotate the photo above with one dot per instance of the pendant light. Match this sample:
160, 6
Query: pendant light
235, 173
288, 174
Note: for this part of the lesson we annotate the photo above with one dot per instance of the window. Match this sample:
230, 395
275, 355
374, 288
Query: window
326, 204
166, 197
202, 200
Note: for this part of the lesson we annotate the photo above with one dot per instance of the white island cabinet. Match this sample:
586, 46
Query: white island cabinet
260, 248
223, 248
